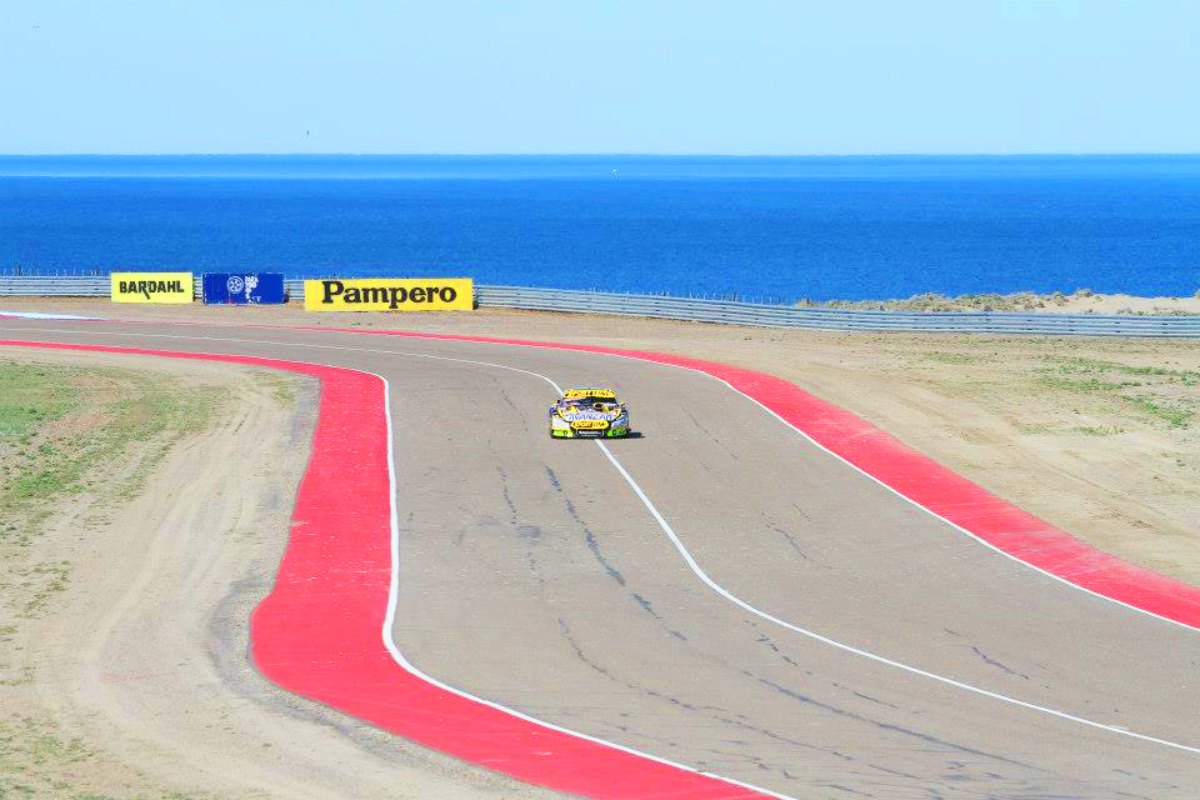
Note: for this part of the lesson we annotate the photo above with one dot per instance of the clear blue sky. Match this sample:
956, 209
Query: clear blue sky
569, 76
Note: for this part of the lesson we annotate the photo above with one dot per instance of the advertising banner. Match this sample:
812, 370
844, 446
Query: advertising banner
152, 287
389, 294
242, 288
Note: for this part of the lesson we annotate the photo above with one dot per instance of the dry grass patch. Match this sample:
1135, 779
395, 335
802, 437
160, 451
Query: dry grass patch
73, 441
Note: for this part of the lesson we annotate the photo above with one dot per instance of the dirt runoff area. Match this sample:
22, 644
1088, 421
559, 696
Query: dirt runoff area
144, 507
1100, 436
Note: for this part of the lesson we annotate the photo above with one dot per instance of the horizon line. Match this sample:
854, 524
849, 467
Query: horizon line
349, 154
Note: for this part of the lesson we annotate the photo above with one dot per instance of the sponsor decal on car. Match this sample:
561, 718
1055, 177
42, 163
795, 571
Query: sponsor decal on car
572, 416
572, 394
589, 413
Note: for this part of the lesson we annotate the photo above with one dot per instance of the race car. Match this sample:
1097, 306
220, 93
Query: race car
589, 413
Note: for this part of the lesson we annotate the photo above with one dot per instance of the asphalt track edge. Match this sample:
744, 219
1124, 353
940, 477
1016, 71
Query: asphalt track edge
917, 479
319, 632
964, 506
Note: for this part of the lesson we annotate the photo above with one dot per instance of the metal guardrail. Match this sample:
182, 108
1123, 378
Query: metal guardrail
755, 314
54, 287
731, 313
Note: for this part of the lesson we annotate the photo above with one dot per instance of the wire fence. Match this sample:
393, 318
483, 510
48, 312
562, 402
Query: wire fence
724, 312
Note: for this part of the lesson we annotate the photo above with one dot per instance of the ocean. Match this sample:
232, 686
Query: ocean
771, 229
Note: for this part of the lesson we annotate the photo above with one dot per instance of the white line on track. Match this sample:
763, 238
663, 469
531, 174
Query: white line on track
842, 459
716, 587
890, 489
393, 600
389, 621
687, 556
40, 315
567, 348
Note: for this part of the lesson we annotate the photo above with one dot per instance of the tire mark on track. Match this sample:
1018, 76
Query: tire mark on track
997, 664
593, 544
710, 434
789, 538
774, 648
713, 713
716, 714
528, 534
867, 697
885, 726
507, 494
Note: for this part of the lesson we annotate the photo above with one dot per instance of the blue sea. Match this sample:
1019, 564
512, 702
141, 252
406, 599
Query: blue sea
774, 229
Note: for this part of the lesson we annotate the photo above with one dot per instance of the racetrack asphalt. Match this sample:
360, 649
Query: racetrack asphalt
533, 575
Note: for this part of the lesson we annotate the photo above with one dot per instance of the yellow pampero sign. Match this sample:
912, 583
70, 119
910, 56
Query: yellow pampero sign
389, 294
152, 287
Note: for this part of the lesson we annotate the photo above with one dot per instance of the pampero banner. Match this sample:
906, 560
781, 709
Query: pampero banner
152, 287
243, 288
389, 294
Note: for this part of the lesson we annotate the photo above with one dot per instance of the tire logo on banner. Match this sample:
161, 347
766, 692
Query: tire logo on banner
235, 284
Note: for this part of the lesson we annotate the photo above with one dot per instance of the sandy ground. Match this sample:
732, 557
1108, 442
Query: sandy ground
1099, 436
135, 681
1128, 304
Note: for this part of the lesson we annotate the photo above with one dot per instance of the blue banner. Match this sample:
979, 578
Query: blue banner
238, 288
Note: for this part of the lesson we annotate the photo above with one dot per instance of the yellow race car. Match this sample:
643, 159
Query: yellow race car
589, 413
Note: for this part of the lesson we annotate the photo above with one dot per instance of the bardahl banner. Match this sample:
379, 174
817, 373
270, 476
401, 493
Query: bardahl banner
389, 294
152, 287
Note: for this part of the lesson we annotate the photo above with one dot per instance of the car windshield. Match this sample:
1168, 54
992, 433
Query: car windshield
598, 403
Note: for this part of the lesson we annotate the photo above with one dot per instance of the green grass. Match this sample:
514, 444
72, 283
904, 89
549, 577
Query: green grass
1174, 416
104, 414
31, 750
1098, 430
35, 754
71, 434
1163, 396
955, 358
66, 431
1085, 430
32, 396
42, 470
1086, 385
283, 387
1084, 366
37, 585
